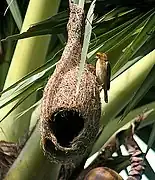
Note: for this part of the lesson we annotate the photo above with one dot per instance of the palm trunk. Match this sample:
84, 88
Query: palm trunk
29, 54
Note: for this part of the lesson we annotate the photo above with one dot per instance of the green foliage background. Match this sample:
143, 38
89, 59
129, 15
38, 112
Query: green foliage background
125, 32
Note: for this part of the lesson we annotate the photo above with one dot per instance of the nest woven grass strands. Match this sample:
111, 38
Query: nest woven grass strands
70, 120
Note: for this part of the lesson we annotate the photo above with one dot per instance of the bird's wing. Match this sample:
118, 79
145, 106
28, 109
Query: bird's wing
108, 74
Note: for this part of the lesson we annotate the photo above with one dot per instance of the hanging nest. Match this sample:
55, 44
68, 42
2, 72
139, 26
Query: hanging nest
70, 120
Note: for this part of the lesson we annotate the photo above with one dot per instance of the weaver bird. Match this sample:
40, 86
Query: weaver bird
103, 72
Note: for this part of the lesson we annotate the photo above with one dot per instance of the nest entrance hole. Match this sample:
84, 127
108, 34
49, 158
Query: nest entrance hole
66, 125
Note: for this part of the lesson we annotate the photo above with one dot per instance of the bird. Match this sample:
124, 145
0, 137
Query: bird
103, 73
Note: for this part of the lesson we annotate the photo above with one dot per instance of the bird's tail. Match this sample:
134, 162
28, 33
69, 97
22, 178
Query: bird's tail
105, 95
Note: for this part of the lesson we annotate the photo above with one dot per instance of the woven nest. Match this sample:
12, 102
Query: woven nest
70, 122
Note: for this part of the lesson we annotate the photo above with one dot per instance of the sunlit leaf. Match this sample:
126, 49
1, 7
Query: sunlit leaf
116, 12
13, 6
81, 3
17, 104
140, 39
125, 67
54, 25
27, 110
21, 92
142, 90
86, 41
104, 37
34, 75
118, 38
